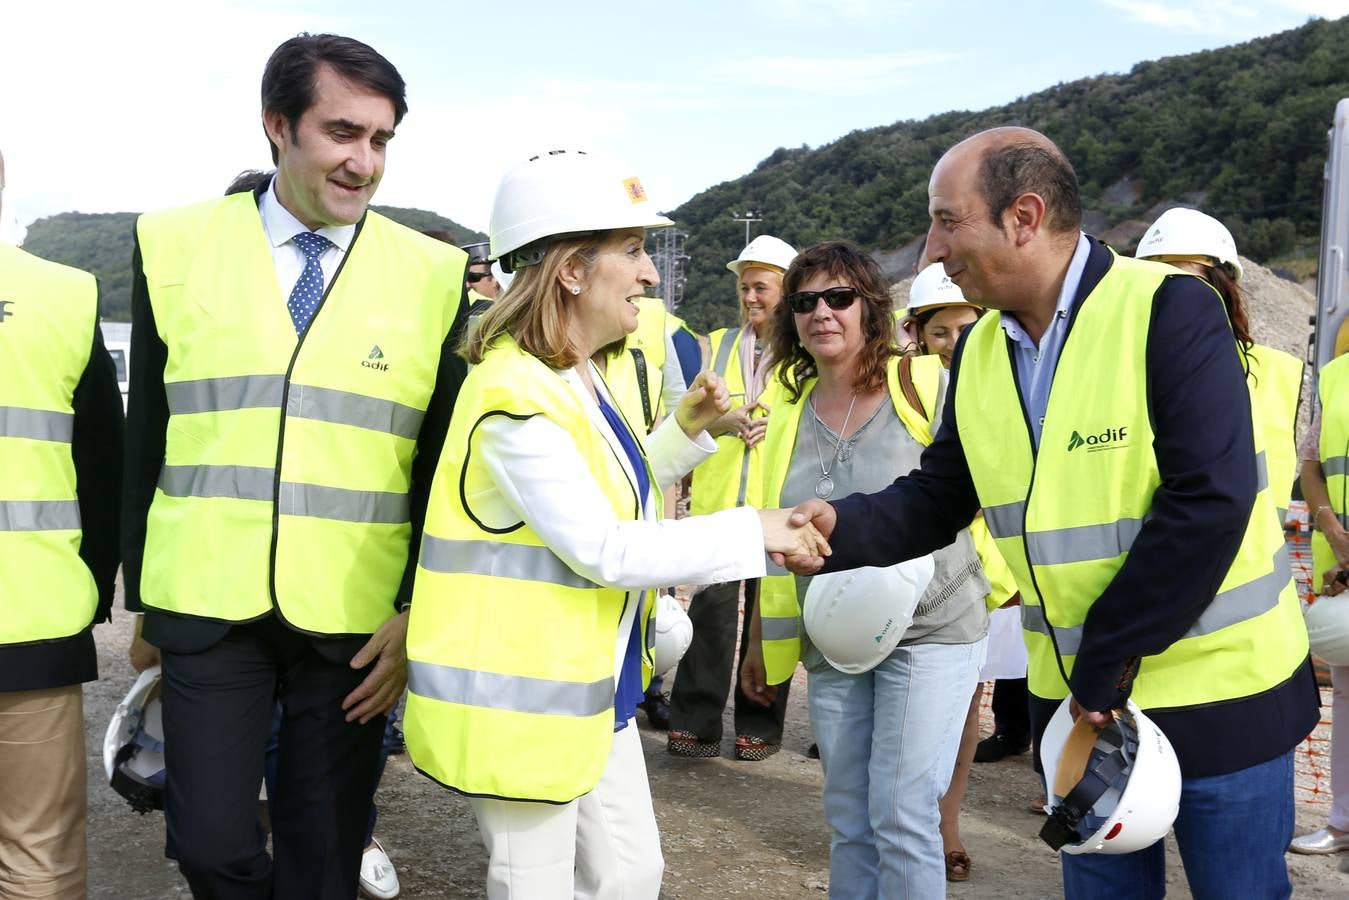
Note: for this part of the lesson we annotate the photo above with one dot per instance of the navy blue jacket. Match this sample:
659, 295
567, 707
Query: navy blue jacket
1201, 417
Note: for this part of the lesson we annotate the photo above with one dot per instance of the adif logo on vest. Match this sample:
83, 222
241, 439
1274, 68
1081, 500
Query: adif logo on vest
375, 360
1110, 439
4, 309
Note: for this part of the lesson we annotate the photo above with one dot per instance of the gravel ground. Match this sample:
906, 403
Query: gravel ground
729, 829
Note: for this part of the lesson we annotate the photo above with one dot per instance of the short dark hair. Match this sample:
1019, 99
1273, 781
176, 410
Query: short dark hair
292, 71
1022, 167
248, 180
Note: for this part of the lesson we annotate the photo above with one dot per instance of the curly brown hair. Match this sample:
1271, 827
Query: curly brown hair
854, 267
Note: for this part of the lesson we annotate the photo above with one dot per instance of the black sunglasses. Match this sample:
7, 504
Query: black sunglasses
475, 277
835, 298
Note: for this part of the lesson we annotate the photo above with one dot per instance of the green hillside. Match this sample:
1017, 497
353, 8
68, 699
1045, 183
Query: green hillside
1241, 129
101, 243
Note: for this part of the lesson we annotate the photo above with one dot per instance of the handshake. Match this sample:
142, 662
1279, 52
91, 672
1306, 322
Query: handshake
798, 539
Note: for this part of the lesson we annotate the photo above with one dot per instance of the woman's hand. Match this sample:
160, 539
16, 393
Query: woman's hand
754, 676
781, 536
705, 402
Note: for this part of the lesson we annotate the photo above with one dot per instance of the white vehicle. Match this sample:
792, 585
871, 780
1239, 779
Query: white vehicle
117, 338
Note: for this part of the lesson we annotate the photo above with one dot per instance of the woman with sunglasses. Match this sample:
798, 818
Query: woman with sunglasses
852, 416
529, 644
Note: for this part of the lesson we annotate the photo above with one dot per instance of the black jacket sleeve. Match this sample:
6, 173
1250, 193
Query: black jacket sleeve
430, 440
1201, 419
918, 513
147, 422
96, 451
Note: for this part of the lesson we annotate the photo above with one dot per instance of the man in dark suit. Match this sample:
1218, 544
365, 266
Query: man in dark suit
292, 380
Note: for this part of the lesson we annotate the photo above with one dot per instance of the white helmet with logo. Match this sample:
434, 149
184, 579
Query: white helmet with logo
1112, 790
1328, 629
856, 617
133, 747
766, 252
931, 289
674, 633
1188, 232
565, 193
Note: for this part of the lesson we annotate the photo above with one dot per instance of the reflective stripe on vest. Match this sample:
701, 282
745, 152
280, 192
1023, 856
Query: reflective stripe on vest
1276, 381
779, 605
732, 476
1333, 392
1090, 486
47, 327
287, 463
511, 652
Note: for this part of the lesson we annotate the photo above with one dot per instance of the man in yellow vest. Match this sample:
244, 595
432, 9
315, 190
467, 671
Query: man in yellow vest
729, 479
292, 380
1104, 426
60, 495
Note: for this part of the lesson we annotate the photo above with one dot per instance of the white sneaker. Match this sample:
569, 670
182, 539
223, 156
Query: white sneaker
378, 877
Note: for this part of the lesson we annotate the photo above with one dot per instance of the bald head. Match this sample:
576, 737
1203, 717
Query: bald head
1012, 161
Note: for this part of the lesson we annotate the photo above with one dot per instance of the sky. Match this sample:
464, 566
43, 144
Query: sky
143, 104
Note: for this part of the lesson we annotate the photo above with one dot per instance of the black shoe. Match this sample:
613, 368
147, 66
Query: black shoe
813, 751
997, 747
397, 745
657, 708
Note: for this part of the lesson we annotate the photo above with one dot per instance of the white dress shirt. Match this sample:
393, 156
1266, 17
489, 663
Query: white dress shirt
281, 225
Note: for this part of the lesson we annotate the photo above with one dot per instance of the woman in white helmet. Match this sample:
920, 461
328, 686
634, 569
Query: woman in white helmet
852, 415
529, 640
938, 313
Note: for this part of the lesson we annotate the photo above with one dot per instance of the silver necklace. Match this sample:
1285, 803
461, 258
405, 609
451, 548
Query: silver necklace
845, 448
824, 487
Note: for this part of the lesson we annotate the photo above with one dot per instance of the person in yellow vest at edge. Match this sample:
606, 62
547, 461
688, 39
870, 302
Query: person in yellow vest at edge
60, 501
530, 640
1103, 423
732, 478
292, 380
1201, 245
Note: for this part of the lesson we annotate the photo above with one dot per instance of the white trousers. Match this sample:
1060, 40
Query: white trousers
602, 846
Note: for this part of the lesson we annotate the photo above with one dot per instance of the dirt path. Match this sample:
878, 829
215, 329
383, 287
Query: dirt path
730, 829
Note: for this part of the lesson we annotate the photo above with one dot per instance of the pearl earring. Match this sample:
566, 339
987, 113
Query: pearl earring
575, 289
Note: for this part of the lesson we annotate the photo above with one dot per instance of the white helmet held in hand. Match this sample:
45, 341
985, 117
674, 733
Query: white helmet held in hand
1188, 232
1328, 629
932, 289
856, 617
1112, 790
133, 747
766, 252
565, 193
674, 633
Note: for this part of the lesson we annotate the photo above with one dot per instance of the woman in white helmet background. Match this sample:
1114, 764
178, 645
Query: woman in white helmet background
887, 702
529, 643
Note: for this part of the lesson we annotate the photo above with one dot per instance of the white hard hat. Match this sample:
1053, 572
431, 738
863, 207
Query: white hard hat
1188, 232
564, 193
931, 289
1328, 629
1111, 790
674, 633
856, 617
765, 251
133, 747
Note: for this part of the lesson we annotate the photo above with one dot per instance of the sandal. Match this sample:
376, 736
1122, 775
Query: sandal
686, 743
752, 749
957, 865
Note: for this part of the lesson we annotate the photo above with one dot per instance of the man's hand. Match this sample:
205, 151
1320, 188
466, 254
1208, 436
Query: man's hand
706, 400
782, 537
1096, 719
380, 690
143, 654
823, 517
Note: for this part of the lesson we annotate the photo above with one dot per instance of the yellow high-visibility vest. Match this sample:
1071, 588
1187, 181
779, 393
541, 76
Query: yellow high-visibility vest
733, 476
1276, 383
48, 314
635, 373
510, 652
287, 463
1065, 517
1333, 389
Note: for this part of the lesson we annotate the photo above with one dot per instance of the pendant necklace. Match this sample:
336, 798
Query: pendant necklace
824, 487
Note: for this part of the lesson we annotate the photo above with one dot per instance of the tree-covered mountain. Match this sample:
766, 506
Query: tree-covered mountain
102, 243
1240, 130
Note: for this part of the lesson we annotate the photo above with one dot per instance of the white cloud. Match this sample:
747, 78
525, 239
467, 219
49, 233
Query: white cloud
850, 75
1203, 16
1326, 9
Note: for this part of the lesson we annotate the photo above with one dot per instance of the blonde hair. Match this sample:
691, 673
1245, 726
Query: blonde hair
535, 310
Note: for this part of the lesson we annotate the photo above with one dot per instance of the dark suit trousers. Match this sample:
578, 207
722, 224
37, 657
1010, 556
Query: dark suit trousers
218, 706
709, 669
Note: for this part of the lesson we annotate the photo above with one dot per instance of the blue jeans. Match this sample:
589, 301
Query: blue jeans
1232, 832
386, 744
888, 740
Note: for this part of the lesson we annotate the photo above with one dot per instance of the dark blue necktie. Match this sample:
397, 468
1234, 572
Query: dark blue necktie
305, 296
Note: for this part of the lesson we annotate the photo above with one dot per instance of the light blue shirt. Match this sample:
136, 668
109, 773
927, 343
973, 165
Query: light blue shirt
1035, 365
